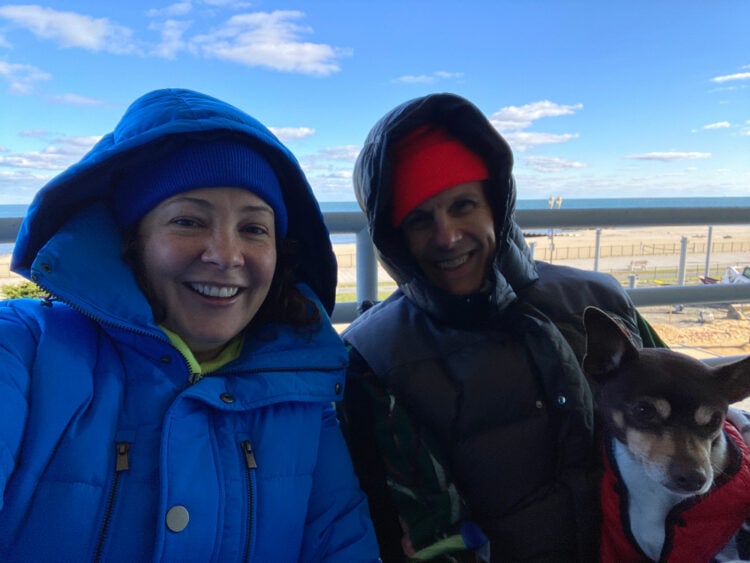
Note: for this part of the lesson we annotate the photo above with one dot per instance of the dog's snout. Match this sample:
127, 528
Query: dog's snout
687, 480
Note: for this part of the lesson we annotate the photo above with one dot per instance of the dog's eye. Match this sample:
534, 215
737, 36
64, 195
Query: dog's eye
716, 421
644, 412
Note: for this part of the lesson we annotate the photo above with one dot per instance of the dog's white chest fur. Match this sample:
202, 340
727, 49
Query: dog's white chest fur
649, 502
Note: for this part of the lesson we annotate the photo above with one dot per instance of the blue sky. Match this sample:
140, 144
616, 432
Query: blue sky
598, 99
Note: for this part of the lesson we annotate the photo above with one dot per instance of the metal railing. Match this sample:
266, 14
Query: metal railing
367, 270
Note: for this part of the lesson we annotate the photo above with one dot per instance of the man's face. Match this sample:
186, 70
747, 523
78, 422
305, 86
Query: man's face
452, 237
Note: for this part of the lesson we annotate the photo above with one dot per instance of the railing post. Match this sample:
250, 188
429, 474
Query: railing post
532, 248
707, 269
683, 261
367, 268
597, 248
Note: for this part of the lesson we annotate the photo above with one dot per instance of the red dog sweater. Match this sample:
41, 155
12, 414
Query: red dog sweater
696, 529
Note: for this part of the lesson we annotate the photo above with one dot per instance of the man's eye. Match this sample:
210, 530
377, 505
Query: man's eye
464, 205
416, 221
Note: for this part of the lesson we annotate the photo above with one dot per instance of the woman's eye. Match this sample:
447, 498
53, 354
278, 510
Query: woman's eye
185, 222
255, 230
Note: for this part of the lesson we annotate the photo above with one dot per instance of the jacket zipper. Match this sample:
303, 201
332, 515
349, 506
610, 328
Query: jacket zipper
250, 466
122, 463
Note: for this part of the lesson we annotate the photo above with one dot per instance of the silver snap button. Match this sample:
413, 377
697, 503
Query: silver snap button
337, 388
561, 400
177, 518
539, 404
227, 398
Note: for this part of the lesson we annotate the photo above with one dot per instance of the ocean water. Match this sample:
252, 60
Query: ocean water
13, 210
589, 203
19, 210
575, 203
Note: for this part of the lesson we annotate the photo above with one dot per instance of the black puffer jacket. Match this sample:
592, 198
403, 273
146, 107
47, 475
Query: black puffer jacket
471, 412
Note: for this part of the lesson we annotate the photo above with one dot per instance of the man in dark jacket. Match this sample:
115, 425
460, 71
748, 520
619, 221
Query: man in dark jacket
467, 414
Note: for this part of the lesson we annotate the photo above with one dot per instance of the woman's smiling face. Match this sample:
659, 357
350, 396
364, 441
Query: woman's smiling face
207, 259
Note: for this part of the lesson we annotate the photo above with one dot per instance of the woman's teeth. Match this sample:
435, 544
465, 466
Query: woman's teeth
214, 290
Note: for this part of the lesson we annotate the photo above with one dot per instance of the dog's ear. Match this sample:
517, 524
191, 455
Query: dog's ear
608, 344
734, 379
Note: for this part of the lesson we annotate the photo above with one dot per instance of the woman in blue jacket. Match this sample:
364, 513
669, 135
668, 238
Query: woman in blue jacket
172, 399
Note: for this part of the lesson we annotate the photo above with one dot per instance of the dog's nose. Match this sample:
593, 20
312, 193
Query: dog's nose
687, 480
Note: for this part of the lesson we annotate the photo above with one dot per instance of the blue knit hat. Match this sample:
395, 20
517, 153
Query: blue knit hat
218, 163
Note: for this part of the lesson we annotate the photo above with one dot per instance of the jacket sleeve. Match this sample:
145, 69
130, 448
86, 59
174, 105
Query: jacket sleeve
338, 526
356, 416
18, 341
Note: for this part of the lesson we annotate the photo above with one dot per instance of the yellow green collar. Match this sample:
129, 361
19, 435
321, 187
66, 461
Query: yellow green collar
229, 353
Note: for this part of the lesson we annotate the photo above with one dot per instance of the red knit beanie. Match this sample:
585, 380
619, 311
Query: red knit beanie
426, 162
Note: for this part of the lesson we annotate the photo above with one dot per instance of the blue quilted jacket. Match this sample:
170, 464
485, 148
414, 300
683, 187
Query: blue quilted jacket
107, 451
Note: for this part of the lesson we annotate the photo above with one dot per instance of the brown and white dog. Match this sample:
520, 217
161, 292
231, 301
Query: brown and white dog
676, 484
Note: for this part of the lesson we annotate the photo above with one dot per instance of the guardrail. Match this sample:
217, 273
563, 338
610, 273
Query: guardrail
367, 271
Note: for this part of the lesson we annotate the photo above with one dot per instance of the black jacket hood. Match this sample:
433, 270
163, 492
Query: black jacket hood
513, 266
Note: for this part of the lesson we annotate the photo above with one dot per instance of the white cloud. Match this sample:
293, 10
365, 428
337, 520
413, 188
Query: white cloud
272, 40
172, 42
731, 77
344, 153
76, 100
235, 4
21, 78
173, 10
718, 125
512, 118
69, 29
669, 156
34, 160
258, 39
329, 171
58, 155
286, 134
427, 78
33, 133
524, 140
552, 164
19, 186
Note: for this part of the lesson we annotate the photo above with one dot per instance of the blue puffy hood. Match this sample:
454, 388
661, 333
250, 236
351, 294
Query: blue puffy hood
153, 126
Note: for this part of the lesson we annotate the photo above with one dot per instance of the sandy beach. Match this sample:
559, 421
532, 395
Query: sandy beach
627, 254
